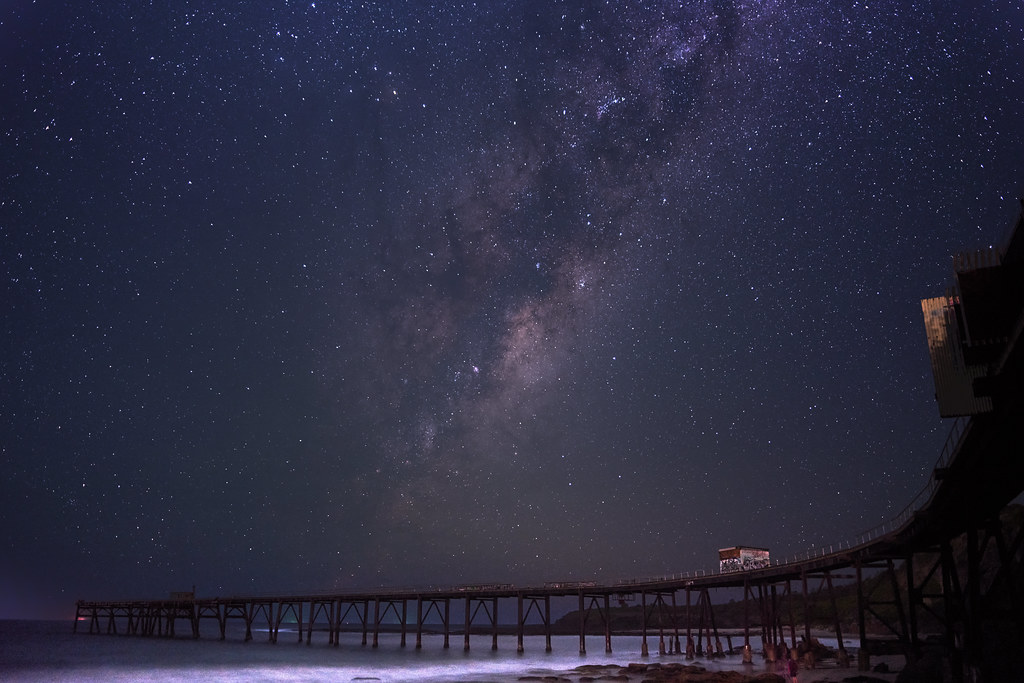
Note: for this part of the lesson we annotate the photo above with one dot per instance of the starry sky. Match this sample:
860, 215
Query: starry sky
333, 295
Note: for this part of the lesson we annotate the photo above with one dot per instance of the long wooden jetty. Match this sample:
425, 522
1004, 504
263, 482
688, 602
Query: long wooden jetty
415, 612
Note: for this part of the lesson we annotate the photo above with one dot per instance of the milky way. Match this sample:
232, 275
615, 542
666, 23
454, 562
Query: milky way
321, 295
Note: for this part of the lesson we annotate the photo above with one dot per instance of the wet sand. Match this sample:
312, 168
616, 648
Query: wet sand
701, 671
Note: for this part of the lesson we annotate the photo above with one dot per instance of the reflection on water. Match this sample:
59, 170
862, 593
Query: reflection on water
47, 651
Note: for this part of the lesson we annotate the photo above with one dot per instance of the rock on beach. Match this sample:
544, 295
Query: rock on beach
667, 673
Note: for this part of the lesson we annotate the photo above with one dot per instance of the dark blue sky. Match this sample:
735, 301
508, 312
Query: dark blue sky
316, 295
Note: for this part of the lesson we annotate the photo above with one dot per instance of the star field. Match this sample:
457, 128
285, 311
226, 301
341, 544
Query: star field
337, 295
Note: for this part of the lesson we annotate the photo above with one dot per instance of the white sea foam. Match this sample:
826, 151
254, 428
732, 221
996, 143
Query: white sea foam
47, 651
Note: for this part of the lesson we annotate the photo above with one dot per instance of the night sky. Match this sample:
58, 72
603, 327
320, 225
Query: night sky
335, 295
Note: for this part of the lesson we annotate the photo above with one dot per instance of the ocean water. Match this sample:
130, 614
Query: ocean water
49, 651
